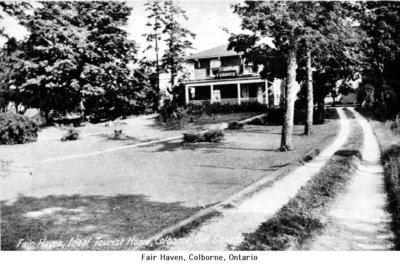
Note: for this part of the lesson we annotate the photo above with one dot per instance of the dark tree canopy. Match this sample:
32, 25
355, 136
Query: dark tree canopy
77, 58
319, 32
381, 82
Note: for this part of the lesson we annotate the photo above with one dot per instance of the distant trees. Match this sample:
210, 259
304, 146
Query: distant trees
380, 89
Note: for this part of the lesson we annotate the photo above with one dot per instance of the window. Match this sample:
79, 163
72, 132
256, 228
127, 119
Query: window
215, 63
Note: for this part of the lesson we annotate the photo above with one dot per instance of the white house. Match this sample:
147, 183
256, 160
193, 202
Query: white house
219, 75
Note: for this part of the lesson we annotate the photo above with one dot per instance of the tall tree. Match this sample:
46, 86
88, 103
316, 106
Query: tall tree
109, 87
334, 42
178, 40
15, 10
299, 30
43, 67
282, 21
78, 59
156, 13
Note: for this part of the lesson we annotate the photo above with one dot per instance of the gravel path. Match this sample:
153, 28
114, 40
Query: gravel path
358, 219
246, 216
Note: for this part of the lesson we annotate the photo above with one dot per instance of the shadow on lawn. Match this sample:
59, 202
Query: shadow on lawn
107, 217
207, 147
238, 168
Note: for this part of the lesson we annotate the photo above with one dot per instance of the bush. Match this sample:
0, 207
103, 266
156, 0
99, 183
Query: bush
235, 125
209, 136
193, 137
224, 108
17, 129
391, 164
118, 135
214, 135
172, 115
71, 135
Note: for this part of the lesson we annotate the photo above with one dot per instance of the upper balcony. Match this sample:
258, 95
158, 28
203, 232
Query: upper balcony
224, 72
219, 62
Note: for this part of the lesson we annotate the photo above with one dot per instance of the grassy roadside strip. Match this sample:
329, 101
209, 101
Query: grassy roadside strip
349, 114
389, 141
302, 216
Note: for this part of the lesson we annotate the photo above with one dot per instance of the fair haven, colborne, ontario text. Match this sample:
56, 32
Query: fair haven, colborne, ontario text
198, 257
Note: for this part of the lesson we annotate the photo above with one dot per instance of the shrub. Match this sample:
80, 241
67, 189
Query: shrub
17, 129
224, 108
71, 135
193, 137
172, 115
118, 135
213, 136
391, 164
235, 125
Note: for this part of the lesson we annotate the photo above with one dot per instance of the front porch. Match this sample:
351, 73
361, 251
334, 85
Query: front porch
235, 91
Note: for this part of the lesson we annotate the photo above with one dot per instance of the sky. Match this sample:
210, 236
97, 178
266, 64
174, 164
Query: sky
206, 19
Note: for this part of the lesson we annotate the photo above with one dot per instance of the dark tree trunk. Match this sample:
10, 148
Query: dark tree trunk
310, 97
287, 128
320, 113
157, 67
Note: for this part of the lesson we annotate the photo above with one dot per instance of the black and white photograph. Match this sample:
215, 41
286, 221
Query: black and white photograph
199, 131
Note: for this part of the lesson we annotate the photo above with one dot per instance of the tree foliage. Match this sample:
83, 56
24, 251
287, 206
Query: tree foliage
381, 22
77, 58
155, 16
320, 30
178, 40
167, 30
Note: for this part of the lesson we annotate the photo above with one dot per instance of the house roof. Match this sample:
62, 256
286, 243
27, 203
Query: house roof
219, 51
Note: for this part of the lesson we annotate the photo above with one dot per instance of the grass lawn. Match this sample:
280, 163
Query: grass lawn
137, 192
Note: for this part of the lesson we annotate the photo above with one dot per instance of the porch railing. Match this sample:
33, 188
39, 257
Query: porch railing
225, 100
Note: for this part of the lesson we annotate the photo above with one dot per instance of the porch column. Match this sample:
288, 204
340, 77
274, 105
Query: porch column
239, 91
266, 92
187, 94
212, 93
